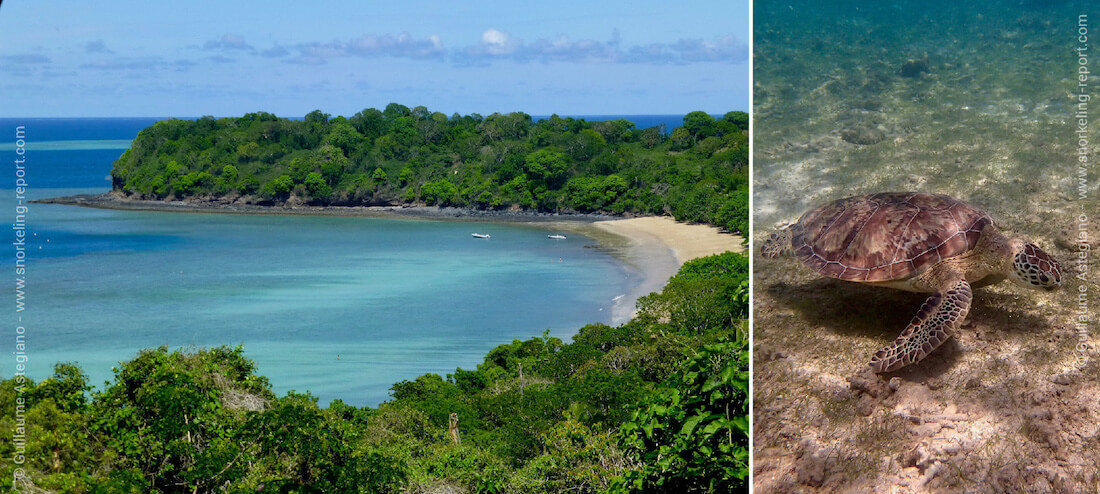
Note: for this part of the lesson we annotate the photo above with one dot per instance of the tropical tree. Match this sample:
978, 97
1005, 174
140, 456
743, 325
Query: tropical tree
699, 124
693, 435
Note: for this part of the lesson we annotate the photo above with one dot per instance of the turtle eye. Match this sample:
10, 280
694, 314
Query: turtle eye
1037, 268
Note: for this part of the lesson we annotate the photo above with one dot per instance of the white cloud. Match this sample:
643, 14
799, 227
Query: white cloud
400, 45
725, 49
228, 42
497, 43
275, 52
564, 49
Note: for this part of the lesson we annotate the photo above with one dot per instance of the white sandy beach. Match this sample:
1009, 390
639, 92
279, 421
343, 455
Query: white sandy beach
686, 241
655, 247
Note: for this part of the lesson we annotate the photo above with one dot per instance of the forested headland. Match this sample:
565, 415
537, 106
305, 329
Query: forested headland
658, 404
697, 172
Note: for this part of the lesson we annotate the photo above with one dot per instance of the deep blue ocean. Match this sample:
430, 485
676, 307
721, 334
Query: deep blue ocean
340, 307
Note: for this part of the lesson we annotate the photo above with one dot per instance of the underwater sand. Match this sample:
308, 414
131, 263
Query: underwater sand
1001, 407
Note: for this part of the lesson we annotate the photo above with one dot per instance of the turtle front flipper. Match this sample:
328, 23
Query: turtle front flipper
938, 319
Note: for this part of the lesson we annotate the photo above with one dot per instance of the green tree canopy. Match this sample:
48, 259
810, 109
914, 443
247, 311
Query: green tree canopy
696, 173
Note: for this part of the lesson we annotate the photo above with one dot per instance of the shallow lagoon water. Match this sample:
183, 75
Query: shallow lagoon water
986, 117
342, 307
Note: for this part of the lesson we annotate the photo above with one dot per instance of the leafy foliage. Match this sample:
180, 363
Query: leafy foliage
693, 436
697, 173
707, 293
168, 417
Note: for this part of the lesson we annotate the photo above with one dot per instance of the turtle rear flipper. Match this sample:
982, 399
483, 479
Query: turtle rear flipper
778, 244
938, 319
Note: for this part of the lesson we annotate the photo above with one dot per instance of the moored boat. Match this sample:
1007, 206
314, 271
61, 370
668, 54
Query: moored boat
556, 236
481, 235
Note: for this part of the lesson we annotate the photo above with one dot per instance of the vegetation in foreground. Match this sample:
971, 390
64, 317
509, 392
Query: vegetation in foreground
656, 405
697, 172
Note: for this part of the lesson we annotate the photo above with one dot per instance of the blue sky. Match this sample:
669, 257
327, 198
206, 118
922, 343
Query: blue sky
63, 58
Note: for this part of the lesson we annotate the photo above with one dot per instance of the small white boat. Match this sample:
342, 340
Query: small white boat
481, 235
556, 236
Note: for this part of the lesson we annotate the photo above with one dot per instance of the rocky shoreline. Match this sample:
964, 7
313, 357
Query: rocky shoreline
113, 200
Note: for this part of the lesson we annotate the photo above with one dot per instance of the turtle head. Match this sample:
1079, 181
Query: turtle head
778, 244
1031, 267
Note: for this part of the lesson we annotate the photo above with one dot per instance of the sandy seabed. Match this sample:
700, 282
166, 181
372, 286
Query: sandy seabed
1009, 404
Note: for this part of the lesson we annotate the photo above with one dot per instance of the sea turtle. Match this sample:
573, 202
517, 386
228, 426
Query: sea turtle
916, 242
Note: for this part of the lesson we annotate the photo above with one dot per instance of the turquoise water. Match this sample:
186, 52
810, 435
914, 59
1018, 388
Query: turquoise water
340, 307
970, 99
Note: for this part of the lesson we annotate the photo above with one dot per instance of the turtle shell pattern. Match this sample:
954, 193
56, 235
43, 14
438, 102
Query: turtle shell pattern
887, 236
